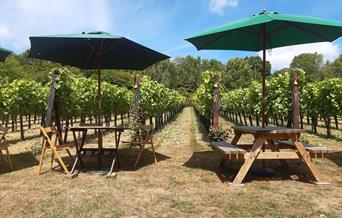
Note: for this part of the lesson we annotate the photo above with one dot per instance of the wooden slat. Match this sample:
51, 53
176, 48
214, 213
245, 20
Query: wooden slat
227, 148
319, 149
310, 147
267, 129
278, 155
81, 128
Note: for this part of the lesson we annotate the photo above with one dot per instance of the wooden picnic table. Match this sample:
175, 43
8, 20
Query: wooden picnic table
266, 147
100, 151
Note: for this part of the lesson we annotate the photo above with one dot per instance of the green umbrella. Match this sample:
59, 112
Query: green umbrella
267, 30
94, 50
3, 54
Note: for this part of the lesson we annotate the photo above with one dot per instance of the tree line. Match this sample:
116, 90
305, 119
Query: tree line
182, 74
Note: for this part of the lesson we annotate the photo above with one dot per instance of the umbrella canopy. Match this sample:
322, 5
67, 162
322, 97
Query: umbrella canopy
3, 54
94, 50
267, 30
276, 29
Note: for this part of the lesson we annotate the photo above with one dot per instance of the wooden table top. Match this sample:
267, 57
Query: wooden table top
120, 128
267, 129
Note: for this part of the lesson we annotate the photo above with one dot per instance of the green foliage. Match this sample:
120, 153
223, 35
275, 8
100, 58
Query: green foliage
203, 97
239, 74
334, 69
311, 63
157, 99
317, 99
78, 96
323, 98
279, 99
22, 97
330, 97
256, 64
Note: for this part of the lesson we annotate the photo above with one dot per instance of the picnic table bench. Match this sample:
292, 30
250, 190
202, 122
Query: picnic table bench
233, 152
315, 151
270, 143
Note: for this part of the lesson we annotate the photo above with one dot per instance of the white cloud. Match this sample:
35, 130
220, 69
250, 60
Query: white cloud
217, 6
4, 32
23, 18
178, 47
282, 57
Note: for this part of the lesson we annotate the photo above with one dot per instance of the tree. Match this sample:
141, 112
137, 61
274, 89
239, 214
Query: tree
163, 72
238, 74
9, 70
256, 64
311, 63
281, 71
334, 69
188, 73
212, 65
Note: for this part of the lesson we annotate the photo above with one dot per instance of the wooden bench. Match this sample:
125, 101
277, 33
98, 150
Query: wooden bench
230, 151
315, 151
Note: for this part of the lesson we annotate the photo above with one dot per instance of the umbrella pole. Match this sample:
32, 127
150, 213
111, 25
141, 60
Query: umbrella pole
263, 102
99, 117
99, 105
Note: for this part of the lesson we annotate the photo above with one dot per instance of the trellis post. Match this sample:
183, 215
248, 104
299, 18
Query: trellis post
216, 104
52, 114
295, 99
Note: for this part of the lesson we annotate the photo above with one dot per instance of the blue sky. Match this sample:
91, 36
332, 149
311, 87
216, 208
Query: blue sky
159, 24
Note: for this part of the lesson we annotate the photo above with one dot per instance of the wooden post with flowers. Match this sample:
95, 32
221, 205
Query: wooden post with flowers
295, 99
52, 114
216, 104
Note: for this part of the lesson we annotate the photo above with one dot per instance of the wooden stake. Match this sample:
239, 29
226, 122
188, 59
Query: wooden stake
216, 103
295, 100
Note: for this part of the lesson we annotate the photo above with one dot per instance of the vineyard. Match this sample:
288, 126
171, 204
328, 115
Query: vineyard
319, 101
27, 100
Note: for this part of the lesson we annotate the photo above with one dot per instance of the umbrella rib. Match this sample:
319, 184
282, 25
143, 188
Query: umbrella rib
226, 33
91, 52
111, 46
251, 32
278, 28
309, 31
128, 58
215, 39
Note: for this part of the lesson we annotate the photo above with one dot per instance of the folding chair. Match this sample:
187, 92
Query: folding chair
4, 146
53, 144
142, 137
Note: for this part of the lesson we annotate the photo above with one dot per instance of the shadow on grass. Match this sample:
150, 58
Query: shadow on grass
209, 160
128, 158
321, 135
336, 158
204, 132
20, 161
27, 138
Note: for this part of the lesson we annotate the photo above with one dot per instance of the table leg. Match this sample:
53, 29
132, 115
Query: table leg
249, 161
112, 166
99, 149
306, 158
236, 138
78, 153
84, 136
117, 142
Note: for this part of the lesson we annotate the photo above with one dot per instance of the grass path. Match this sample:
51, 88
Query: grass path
184, 183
